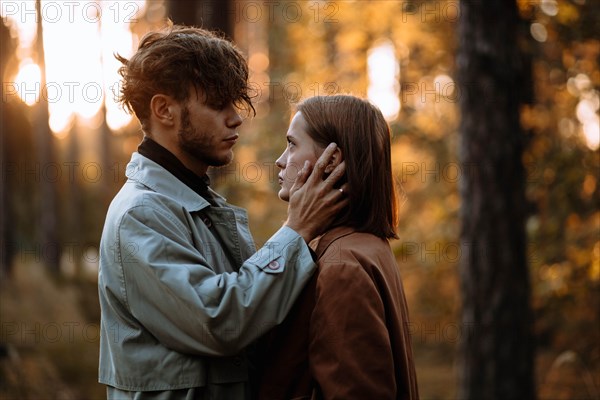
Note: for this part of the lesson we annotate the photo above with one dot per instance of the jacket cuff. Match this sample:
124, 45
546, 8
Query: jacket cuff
284, 246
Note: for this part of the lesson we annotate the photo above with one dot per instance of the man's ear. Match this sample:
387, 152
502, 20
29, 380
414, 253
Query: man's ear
336, 159
163, 109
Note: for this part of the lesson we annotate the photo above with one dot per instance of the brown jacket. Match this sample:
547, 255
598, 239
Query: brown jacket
347, 336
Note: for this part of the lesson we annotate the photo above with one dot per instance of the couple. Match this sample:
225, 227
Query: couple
190, 309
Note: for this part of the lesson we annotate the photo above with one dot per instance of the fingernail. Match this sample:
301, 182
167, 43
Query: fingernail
332, 145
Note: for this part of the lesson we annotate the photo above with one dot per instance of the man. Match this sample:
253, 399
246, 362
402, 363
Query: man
182, 290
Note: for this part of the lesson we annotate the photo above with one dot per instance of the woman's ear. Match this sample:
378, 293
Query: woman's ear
162, 110
336, 159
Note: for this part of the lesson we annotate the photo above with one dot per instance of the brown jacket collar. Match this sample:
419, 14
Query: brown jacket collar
321, 243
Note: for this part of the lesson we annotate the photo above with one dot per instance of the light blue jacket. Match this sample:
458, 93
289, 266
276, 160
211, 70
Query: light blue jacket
183, 291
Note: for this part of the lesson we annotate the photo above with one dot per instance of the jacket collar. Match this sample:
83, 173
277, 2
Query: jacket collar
321, 243
145, 171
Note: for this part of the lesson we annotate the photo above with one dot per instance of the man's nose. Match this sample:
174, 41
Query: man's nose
235, 120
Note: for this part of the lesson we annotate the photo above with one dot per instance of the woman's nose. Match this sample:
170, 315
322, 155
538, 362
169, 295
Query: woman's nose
281, 161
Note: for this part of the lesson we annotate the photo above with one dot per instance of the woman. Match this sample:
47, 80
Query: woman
347, 336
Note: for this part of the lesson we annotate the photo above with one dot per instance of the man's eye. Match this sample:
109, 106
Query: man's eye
290, 143
218, 105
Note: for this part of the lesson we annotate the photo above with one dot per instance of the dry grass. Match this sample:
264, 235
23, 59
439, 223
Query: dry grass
52, 345
50, 328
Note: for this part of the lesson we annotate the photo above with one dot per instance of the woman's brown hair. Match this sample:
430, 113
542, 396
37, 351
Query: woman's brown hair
171, 61
363, 135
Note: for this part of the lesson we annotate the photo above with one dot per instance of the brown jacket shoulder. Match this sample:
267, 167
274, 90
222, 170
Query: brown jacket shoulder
360, 345
347, 336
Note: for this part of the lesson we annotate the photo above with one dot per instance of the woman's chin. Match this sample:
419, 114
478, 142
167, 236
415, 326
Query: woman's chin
284, 194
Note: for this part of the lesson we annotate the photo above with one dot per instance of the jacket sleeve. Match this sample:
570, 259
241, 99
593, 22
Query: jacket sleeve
167, 285
350, 353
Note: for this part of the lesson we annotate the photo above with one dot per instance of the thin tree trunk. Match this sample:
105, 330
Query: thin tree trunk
208, 14
75, 201
7, 251
497, 348
50, 245
213, 16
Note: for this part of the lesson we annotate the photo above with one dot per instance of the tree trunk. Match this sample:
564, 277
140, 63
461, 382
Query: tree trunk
207, 14
50, 246
213, 16
75, 210
496, 351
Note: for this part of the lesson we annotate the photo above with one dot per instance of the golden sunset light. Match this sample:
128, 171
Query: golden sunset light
79, 41
453, 235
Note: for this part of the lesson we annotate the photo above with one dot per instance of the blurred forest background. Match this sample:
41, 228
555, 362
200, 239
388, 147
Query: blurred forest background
65, 145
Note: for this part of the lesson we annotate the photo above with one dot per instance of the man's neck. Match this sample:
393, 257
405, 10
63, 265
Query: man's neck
190, 162
163, 157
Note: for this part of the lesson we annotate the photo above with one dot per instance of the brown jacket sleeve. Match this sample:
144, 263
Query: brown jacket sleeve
350, 352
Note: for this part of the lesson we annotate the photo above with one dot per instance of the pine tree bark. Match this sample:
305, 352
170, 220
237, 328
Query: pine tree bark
51, 245
207, 14
211, 15
496, 351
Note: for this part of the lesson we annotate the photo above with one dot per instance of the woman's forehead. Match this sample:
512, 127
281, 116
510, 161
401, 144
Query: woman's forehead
298, 125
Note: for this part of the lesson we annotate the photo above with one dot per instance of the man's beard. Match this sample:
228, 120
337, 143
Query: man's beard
197, 145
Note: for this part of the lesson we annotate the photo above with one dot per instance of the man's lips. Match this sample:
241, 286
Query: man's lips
232, 138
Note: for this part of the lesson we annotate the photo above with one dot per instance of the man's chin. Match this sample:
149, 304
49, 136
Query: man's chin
221, 162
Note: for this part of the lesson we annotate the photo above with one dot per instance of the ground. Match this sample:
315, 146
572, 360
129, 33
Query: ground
49, 338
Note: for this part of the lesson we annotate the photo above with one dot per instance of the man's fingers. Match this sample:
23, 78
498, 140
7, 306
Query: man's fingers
301, 178
336, 174
340, 196
344, 189
338, 206
323, 161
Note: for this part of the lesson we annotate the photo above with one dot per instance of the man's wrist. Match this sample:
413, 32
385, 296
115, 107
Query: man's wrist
307, 236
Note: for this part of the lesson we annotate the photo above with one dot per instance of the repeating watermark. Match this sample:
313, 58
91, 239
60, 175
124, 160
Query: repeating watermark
75, 172
431, 333
62, 172
34, 333
93, 172
326, 12
248, 11
450, 11
128, 251
93, 92
424, 172
436, 252
426, 253
453, 172
52, 12
72, 251
54, 92
290, 91
418, 92
411, 255
431, 11
446, 91
451, 252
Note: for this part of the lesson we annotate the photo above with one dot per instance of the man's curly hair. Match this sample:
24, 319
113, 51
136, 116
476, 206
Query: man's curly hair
171, 61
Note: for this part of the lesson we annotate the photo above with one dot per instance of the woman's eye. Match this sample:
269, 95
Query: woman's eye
290, 143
